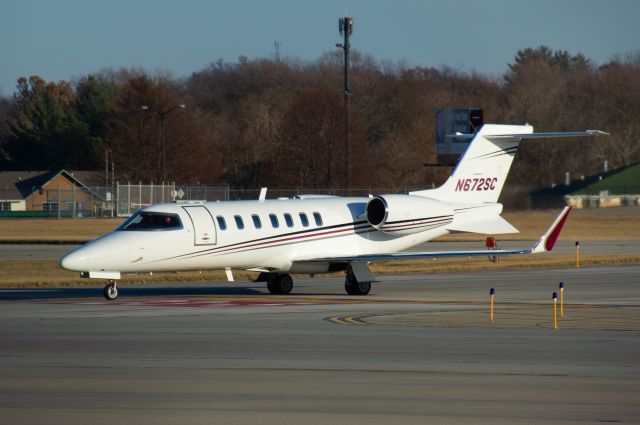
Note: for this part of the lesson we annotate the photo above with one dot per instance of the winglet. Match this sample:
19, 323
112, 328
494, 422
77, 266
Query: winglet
548, 240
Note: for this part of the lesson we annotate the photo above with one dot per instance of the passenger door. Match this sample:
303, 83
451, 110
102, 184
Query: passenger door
203, 226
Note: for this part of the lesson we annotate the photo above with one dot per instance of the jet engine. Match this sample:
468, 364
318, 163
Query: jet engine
407, 214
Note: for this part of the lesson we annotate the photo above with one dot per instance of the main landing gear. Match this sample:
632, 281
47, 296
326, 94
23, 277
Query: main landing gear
279, 284
111, 290
353, 287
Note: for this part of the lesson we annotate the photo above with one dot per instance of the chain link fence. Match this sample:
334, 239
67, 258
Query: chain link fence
123, 200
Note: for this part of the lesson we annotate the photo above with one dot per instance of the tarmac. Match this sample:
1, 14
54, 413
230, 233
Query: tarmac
419, 349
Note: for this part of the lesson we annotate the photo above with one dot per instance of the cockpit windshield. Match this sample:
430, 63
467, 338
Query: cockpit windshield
149, 221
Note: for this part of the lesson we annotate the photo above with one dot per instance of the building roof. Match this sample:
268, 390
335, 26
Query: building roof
621, 181
16, 185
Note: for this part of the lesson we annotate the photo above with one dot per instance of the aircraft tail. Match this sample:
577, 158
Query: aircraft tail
482, 171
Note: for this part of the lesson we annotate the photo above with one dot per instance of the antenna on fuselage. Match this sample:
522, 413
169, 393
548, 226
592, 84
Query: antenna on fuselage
263, 194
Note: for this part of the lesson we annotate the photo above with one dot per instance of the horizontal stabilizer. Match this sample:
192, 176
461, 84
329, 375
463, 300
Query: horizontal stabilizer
520, 136
491, 226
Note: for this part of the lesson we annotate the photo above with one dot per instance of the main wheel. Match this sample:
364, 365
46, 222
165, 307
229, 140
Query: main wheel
353, 287
111, 291
286, 284
350, 283
279, 284
363, 288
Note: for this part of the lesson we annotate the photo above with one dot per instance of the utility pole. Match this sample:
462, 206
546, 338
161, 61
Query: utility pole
161, 116
345, 27
106, 167
276, 45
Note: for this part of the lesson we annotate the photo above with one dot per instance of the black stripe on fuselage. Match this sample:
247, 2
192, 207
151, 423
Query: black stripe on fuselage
266, 238
252, 247
415, 225
358, 227
441, 217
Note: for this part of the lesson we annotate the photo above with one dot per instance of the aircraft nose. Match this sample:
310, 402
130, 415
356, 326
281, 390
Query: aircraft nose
75, 261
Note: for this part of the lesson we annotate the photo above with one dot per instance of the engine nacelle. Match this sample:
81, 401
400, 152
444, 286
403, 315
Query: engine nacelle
407, 214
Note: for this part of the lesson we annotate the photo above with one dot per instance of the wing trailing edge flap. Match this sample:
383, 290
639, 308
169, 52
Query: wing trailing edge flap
490, 226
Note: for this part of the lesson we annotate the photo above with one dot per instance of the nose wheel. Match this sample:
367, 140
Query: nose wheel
111, 290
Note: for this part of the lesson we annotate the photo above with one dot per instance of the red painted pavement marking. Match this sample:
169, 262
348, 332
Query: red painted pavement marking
196, 303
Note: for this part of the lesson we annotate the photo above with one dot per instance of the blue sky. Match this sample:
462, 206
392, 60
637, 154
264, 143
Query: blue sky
63, 39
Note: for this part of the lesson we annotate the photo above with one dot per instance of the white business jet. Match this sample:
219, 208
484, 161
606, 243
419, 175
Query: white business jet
311, 234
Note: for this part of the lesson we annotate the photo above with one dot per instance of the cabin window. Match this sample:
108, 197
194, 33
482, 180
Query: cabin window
239, 222
274, 221
318, 218
150, 221
288, 219
222, 224
304, 220
256, 221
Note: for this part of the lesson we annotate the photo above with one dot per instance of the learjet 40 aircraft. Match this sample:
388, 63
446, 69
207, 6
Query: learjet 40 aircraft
312, 234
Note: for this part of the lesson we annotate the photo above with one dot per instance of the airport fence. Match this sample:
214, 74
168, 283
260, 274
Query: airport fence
122, 200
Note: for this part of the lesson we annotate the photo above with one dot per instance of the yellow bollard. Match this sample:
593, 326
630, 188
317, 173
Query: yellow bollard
491, 295
561, 299
577, 254
555, 311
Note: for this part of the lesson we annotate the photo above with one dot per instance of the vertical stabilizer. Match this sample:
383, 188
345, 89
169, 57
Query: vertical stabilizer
481, 173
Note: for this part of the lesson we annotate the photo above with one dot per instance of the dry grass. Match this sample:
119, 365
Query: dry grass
603, 224
506, 262
64, 230
613, 223
622, 223
22, 273
41, 273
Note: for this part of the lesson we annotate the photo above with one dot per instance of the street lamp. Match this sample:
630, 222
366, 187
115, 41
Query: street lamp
161, 116
345, 27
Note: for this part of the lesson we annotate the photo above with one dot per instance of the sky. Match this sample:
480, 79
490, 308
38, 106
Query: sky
66, 39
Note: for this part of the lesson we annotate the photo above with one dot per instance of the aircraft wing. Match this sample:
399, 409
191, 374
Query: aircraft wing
416, 255
544, 244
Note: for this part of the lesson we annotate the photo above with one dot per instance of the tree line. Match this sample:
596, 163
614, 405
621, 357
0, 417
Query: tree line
280, 122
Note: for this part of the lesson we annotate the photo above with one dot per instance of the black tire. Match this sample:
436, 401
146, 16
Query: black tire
362, 288
350, 284
286, 284
280, 284
273, 284
110, 291
353, 287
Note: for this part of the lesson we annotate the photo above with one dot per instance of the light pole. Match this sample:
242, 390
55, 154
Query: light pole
161, 116
345, 27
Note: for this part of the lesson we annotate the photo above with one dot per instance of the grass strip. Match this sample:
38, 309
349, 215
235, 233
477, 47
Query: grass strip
47, 273
593, 224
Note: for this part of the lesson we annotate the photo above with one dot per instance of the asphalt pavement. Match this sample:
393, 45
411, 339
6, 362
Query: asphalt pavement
419, 349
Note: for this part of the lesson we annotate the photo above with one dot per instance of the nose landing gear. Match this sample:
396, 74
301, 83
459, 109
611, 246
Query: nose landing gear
111, 290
